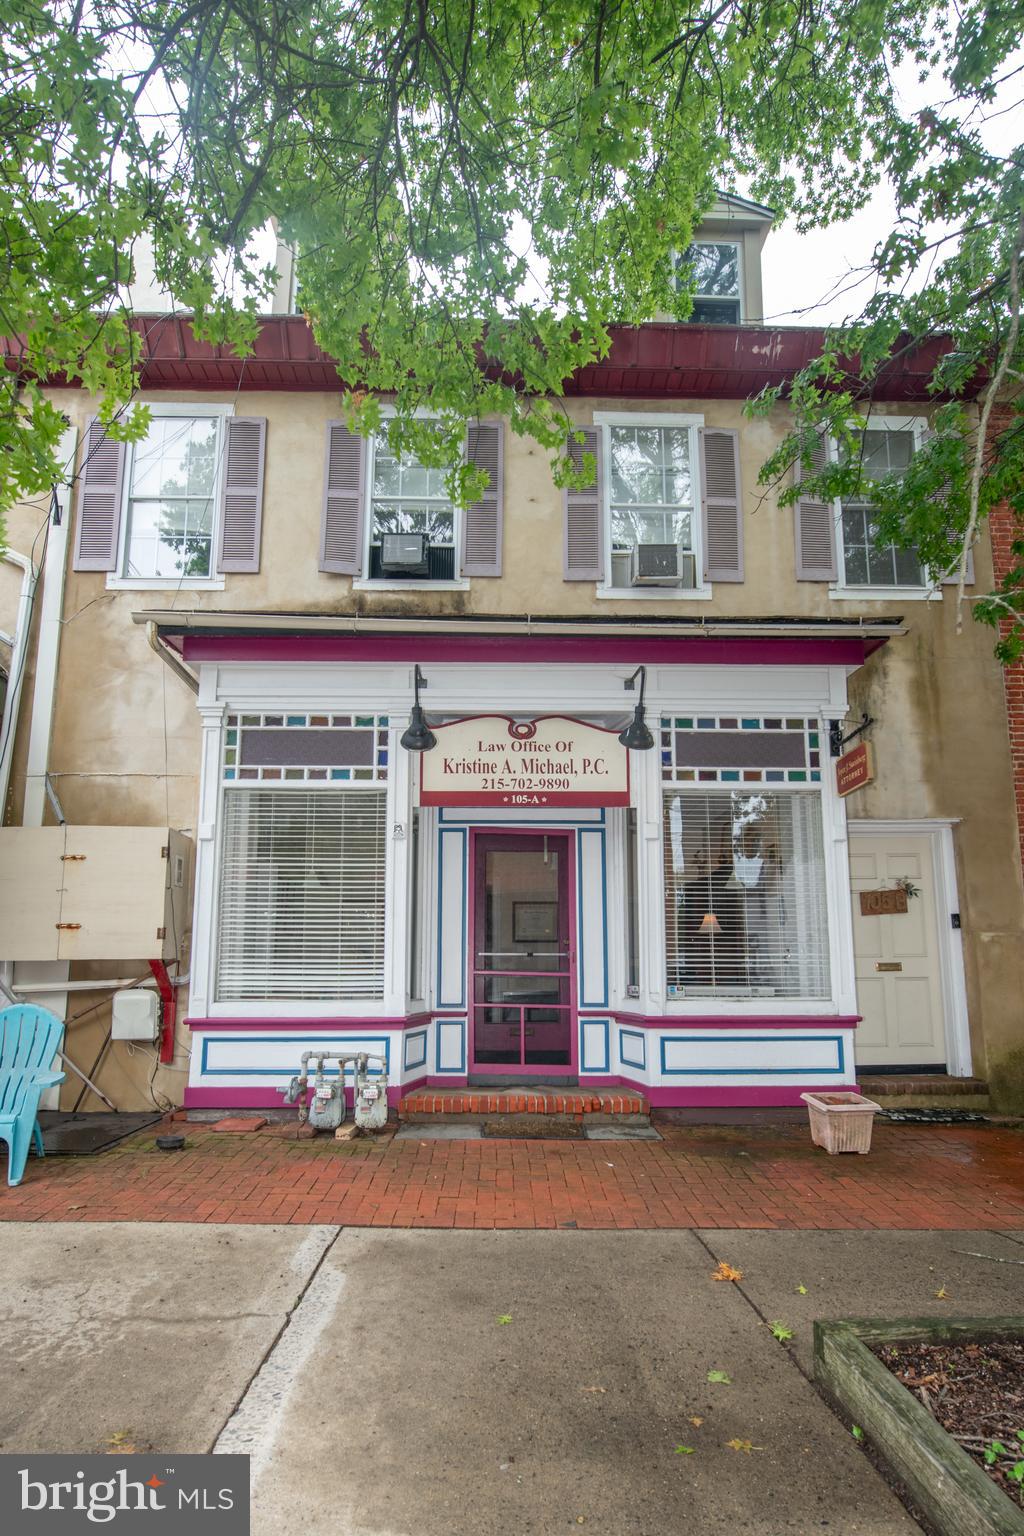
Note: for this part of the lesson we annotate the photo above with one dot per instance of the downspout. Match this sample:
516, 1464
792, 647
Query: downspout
167, 655
19, 657
51, 612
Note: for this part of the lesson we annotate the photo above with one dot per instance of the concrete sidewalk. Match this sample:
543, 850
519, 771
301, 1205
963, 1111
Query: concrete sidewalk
369, 1377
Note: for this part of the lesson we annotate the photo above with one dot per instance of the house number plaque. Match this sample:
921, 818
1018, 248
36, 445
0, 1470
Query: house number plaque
881, 903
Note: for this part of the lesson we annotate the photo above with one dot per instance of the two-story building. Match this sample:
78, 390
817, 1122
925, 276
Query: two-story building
609, 847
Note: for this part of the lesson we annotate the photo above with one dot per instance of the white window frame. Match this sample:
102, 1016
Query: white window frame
215, 582
841, 591
604, 421
366, 583
679, 256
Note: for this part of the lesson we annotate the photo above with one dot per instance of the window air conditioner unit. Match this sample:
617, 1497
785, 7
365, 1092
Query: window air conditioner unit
663, 565
404, 554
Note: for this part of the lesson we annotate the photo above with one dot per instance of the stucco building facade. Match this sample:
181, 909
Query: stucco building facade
224, 643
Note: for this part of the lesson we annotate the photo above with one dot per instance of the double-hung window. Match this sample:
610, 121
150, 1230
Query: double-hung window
744, 861
653, 505
886, 450
408, 498
715, 268
173, 483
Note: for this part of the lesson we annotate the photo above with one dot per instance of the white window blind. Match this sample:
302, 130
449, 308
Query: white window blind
302, 894
745, 907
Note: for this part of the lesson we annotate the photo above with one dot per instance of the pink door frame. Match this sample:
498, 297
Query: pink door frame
567, 838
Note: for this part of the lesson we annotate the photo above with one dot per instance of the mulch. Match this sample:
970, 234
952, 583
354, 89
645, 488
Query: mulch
976, 1392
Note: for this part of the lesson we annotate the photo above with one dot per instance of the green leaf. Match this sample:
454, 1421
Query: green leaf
720, 1377
781, 1331
506, 1317
684, 1450
856, 1432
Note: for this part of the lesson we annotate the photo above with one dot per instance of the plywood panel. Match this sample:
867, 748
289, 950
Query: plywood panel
31, 876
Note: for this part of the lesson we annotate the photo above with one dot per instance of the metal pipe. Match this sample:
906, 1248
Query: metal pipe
168, 657
207, 618
117, 984
19, 656
48, 638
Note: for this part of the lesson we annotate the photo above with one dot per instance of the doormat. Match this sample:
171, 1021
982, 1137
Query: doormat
69, 1135
533, 1128
933, 1116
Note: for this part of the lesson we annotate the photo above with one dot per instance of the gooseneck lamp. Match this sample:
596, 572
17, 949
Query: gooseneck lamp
636, 736
417, 736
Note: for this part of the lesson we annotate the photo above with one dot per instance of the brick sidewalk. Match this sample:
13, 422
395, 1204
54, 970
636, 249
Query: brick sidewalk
941, 1177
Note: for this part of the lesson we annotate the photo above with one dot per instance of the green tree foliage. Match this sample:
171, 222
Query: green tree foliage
480, 188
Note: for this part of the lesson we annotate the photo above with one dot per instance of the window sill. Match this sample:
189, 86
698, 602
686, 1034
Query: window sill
165, 584
885, 594
364, 584
654, 594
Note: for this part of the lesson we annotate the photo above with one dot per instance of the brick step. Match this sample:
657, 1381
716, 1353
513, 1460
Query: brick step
923, 1085
426, 1103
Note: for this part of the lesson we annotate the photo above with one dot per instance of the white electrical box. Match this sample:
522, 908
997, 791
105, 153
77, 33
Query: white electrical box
135, 1015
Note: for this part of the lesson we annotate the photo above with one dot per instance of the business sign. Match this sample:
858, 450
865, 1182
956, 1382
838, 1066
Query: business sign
493, 760
883, 903
158, 1492
855, 769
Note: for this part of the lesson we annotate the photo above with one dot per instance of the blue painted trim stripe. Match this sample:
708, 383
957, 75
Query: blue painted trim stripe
711, 1071
628, 1061
602, 1001
460, 1070
585, 1064
347, 1044
419, 1037
462, 834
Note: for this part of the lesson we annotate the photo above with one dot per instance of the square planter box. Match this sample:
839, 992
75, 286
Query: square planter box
951, 1490
841, 1122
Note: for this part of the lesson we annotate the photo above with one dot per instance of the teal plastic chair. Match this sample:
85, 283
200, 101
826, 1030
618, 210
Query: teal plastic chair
29, 1040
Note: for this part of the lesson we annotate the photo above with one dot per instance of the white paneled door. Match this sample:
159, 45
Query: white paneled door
897, 955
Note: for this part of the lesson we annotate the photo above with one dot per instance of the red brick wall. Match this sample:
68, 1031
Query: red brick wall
1004, 527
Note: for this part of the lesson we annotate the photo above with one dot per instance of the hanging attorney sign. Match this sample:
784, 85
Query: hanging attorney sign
855, 769
493, 760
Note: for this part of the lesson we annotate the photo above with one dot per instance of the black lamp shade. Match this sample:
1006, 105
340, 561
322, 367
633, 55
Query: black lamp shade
636, 736
417, 736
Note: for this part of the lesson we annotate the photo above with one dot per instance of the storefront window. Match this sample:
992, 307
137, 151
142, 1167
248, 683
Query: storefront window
301, 902
745, 907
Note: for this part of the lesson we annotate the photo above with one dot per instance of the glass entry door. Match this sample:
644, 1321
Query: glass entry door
522, 953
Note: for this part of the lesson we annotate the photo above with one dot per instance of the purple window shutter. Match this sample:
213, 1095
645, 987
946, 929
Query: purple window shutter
241, 511
584, 542
482, 523
721, 505
953, 579
341, 528
101, 481
815, 527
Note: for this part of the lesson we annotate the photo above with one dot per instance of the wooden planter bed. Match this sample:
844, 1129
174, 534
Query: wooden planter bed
955, 1494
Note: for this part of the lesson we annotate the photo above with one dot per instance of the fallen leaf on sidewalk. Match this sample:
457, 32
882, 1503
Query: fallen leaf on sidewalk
721, 1377
801, 1290
781, 1331
856, 1432
120, 1443
940, 1294
506, 1317
593, 1389
726, 1272
684, 1450
696, 1421
743, 1445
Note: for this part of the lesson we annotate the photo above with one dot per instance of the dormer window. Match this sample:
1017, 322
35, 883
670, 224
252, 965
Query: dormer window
715, 265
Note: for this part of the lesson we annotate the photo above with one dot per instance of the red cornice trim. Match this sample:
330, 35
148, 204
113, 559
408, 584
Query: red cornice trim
661, 360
